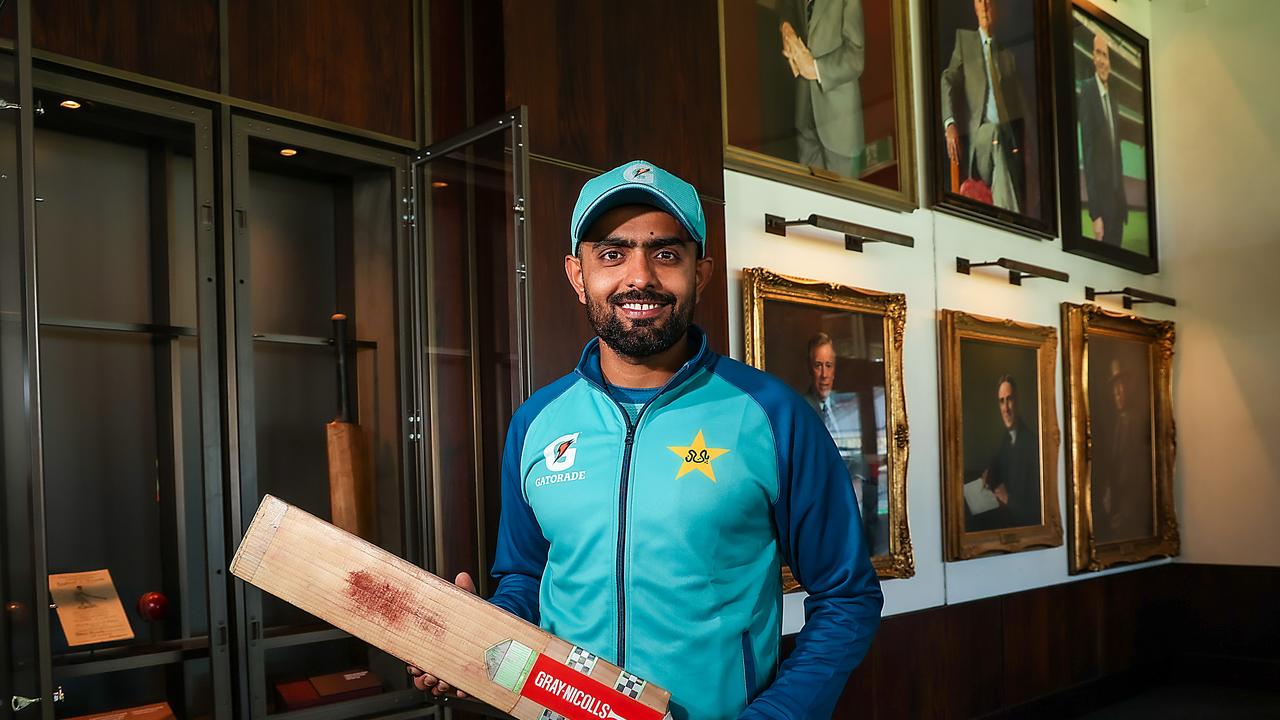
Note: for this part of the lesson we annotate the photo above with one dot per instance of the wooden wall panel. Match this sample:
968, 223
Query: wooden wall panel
350, 63
446, 53
1063, 650
174, 41
609, 82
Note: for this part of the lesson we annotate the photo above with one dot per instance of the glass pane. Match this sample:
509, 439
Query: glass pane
473, 351
115, 214
122, 441
185, 686
115, 498
321, 238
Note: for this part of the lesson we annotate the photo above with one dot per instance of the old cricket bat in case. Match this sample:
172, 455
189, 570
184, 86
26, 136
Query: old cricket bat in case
350, 483
427, 622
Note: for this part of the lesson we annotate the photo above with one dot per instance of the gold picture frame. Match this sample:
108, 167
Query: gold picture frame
985, 495
1096, 342
883, 316
895, 155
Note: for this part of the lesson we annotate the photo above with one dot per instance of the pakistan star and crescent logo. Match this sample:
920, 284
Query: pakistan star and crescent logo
697, 456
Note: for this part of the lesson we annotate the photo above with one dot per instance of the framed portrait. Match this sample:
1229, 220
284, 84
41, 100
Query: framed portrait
991, 112
818, 93
841, 349
1120, 437
1104, 143
999, 436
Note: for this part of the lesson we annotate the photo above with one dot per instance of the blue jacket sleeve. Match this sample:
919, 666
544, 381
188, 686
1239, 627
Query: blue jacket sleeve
521, 554
820, 531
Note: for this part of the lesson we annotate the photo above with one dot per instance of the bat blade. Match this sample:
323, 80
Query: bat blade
419, 618
350, 480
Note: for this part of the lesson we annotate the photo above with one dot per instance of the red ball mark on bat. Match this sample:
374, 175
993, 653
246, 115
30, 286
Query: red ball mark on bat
378, 597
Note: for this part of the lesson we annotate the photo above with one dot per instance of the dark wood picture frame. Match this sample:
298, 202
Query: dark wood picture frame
949, 189
956, 327
885, 93
1084, 327
1072, 70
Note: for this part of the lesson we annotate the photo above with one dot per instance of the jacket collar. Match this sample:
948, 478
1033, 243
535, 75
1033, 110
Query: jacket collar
589, 363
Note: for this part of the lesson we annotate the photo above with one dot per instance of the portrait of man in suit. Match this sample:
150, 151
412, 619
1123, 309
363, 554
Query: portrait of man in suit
1013, 474
1100, 149
984, 112
824, 46
1121, 478
840, 413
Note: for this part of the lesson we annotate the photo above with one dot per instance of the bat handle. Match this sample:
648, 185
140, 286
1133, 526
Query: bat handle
340, 348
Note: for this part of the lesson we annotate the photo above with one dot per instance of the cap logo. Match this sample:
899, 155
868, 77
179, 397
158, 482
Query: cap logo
638, 174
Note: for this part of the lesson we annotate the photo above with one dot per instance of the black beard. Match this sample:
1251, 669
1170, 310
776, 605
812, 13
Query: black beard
645, 337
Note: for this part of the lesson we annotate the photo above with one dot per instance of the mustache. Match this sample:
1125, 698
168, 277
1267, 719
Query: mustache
657, 298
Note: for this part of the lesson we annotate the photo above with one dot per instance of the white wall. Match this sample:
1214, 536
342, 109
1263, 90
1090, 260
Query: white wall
926, 274
1218, 111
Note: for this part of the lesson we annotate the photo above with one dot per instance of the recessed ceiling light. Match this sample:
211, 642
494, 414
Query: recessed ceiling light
288, 152
70, 104
439, 184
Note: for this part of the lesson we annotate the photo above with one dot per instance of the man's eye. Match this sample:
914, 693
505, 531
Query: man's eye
610, 255
666, 255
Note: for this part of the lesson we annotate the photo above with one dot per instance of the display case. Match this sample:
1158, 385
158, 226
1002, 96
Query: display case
124, 484
168, 270
319, 228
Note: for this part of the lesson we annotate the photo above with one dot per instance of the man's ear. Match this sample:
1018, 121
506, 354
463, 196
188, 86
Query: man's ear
573, 270
702, 274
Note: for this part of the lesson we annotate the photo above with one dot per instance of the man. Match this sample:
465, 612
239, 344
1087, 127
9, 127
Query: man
983, 107
1100, 149
825, 49
840, 414
1121, 478
1013, 475
650, 496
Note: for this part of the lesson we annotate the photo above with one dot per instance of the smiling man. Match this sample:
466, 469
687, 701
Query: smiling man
651, 495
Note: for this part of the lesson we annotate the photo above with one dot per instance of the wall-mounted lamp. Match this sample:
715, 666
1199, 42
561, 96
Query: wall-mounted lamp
1017, 269
854, 234
1132, 296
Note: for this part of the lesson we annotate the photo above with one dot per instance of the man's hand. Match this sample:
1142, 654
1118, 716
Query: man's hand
788, 36
1002, 494
425, 681
1097, 228
953, 143
802, 59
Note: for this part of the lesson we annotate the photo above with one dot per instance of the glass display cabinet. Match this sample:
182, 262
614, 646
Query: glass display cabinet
127, 481
168, 270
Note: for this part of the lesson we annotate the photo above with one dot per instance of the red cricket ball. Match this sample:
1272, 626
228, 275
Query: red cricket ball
152, 606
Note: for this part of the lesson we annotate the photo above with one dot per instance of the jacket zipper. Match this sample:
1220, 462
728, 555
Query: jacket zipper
622, 532
620, 572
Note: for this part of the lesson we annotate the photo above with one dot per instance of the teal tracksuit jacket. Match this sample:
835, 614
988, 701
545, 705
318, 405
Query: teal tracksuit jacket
657, 544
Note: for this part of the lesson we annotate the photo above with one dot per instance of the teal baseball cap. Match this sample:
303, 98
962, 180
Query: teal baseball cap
638, 183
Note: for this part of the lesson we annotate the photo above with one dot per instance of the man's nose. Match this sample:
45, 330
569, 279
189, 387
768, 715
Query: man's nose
640, 271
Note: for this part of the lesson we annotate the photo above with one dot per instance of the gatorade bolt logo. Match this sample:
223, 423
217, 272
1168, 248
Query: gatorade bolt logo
561, 453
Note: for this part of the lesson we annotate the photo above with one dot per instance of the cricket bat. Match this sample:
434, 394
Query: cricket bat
429, 623
350, 480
